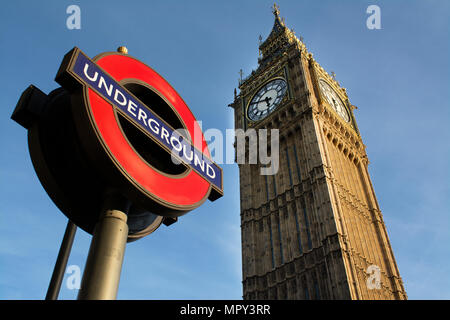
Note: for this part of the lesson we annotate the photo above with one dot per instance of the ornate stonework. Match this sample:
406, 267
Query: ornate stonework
314, 229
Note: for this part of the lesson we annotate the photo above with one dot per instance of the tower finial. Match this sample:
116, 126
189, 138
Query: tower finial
276, 10
122, 49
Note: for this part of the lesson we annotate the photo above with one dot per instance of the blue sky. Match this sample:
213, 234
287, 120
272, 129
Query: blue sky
397, 76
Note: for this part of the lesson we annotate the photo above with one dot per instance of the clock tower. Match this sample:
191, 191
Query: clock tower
313, 229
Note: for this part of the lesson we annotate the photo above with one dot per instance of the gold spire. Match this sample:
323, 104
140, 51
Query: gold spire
280, 38
276, 10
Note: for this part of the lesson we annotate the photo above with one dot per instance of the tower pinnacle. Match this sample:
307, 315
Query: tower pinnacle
276, 10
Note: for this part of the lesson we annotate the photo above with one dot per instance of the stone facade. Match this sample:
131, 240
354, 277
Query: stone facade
312, 230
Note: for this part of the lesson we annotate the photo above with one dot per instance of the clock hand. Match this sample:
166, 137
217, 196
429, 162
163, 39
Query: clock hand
263, 100
335, 104
338, 108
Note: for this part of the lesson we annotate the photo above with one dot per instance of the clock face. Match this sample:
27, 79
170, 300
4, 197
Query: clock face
333, 99
266, 99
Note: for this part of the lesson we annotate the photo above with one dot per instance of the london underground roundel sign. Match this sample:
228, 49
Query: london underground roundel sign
117, 127
107, 84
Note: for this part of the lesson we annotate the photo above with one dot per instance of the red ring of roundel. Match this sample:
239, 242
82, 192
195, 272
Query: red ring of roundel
184, 191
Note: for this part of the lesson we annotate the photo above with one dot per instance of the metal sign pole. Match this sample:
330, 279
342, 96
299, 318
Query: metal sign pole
61, 262
104, 263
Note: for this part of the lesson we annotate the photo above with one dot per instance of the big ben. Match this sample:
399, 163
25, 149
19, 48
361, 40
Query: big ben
313, 229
